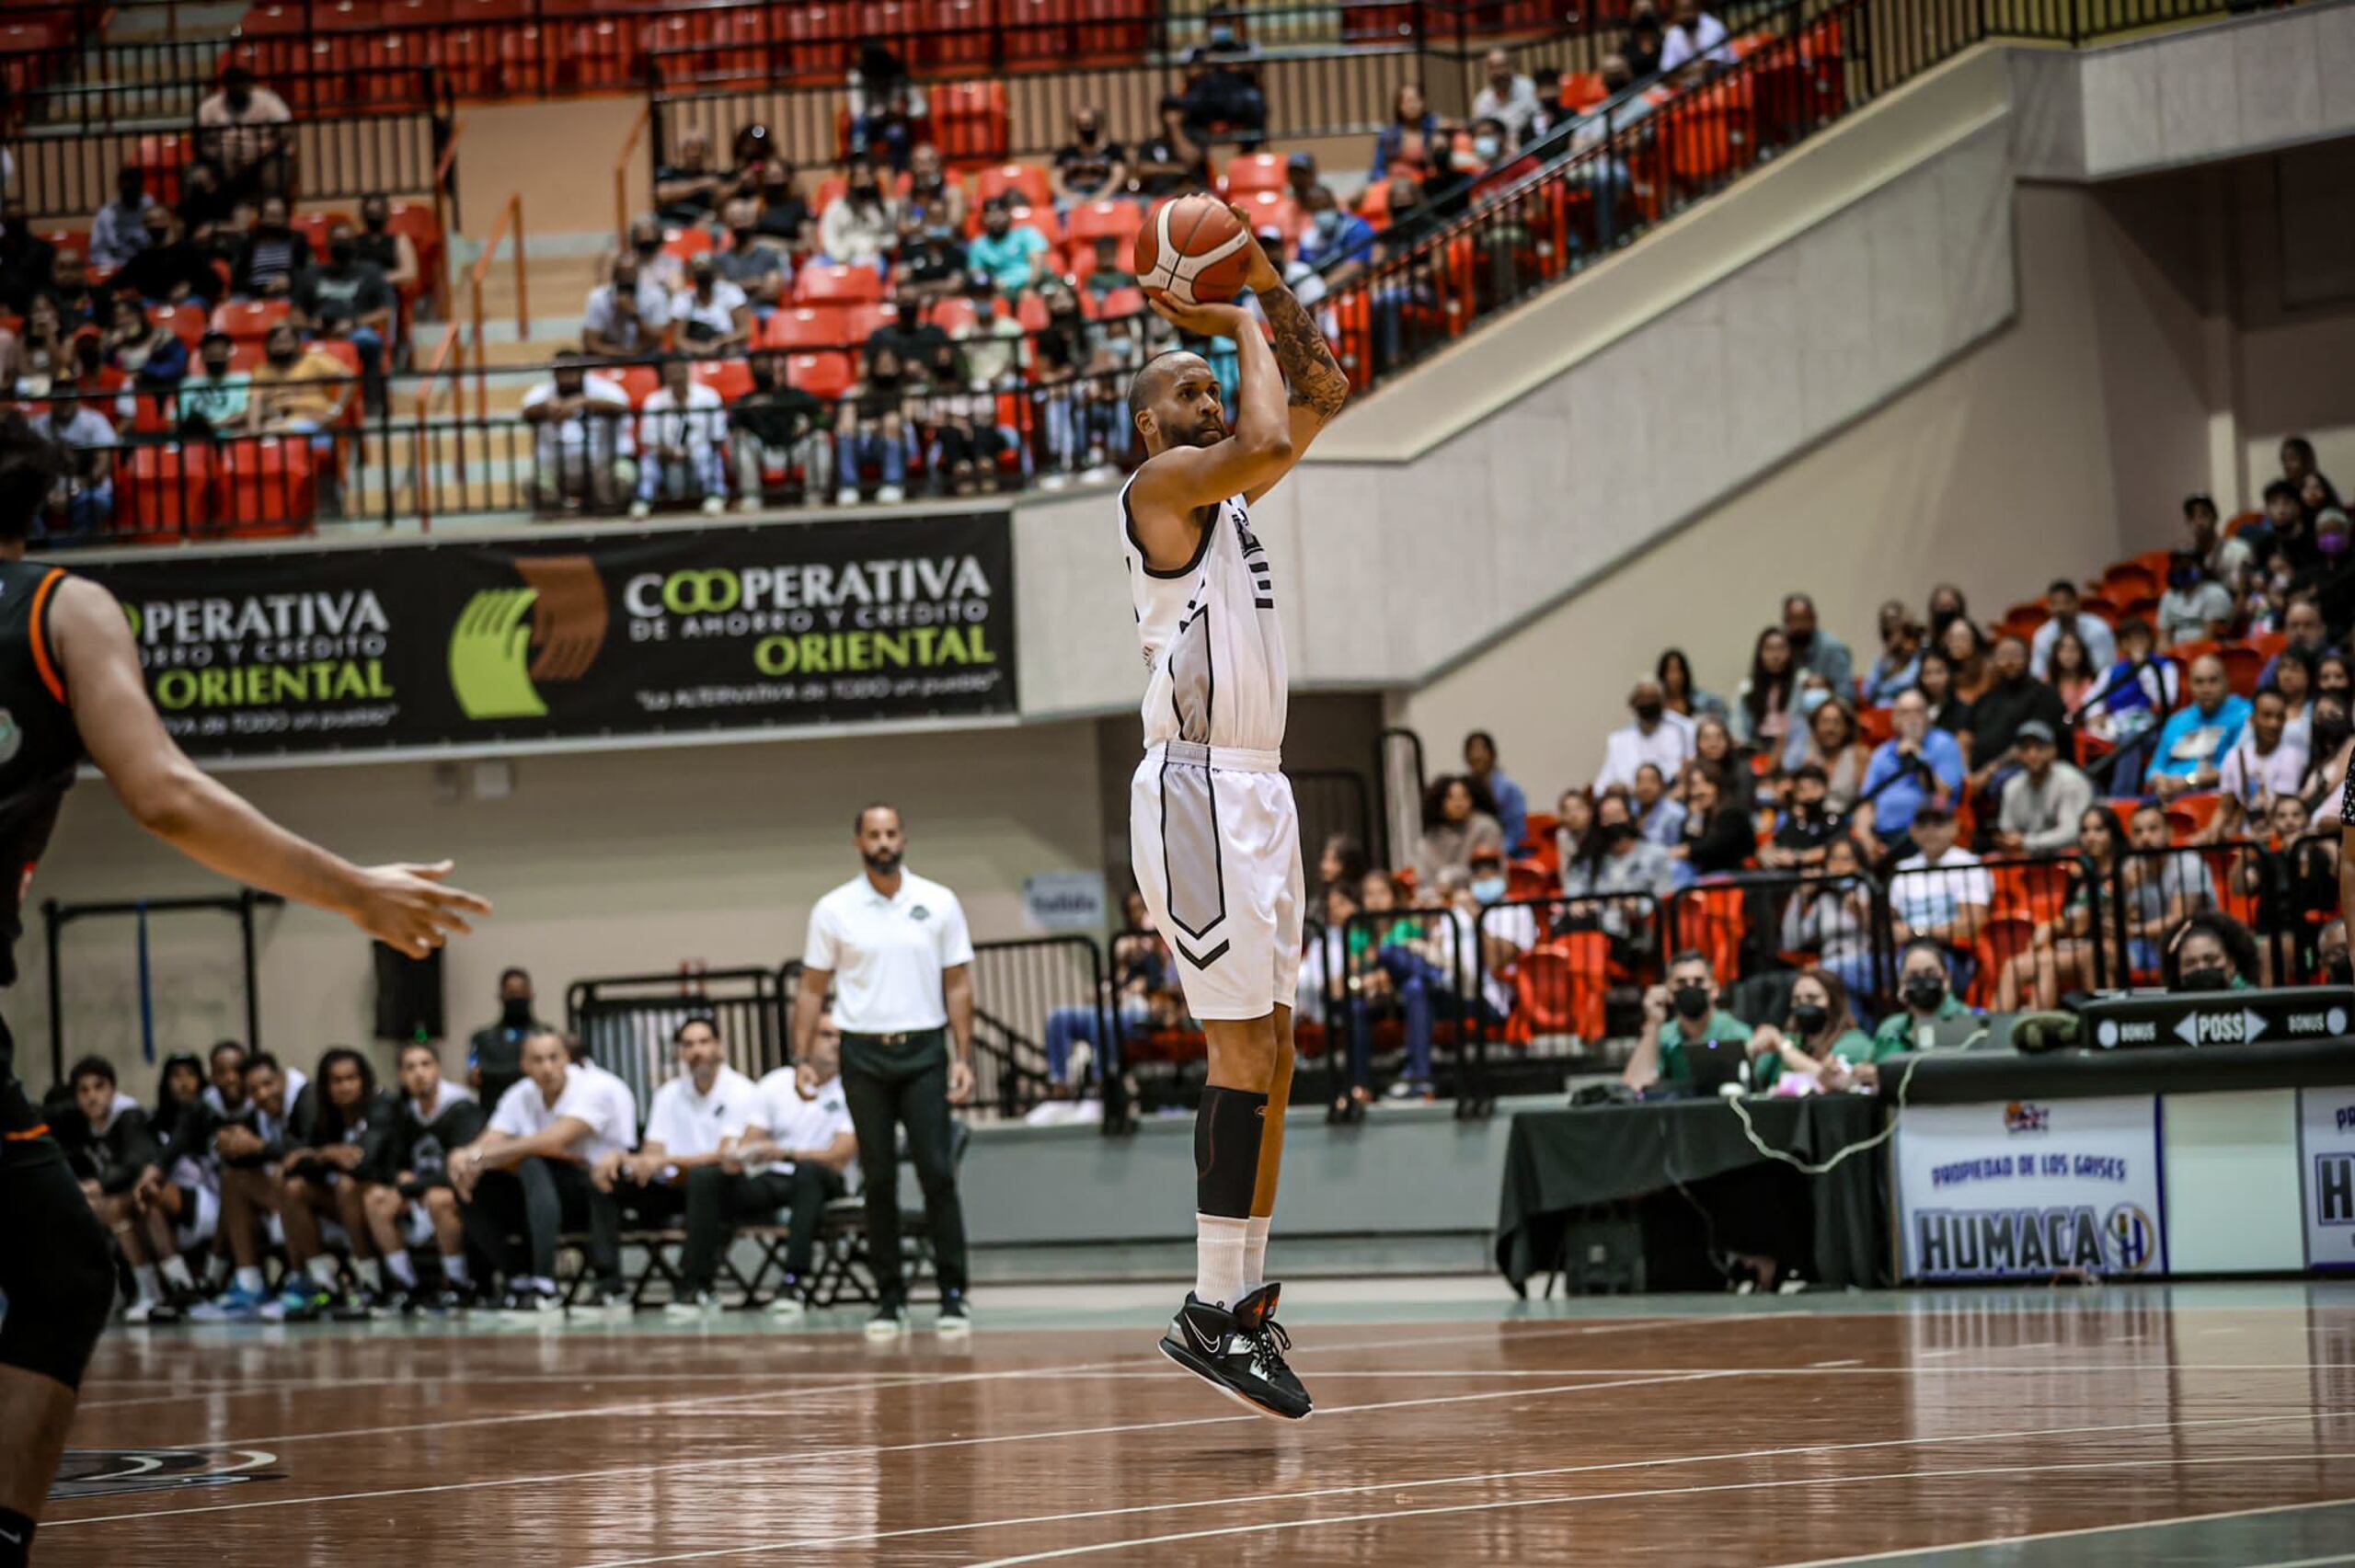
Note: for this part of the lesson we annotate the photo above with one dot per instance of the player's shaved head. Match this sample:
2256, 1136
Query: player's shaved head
1153, 377
1195, 419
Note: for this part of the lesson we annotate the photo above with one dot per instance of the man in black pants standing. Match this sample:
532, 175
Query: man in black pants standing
70, 681
893, 949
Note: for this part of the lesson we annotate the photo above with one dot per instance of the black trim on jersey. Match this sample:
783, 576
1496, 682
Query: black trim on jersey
1144, 557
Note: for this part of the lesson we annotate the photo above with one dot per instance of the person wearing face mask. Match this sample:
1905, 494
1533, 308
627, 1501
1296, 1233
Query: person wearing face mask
872, 430
1090, 164
1479, 935
776, 429
682, 429
627, 316
2195, 606
687, 192
1677, 1013
583, 448
80, 503
1928, 1002
712, 316
2330, 752
495, 1051
1338, 243
657, 267
1653, 735
1012, 257
1222, 98
119, 232
213, 398
785, 217
932, 263
300, 390
271, 256
751, 263
1900, 665
1940, 894
2210, 951
1808, 825
859, 227
386, 249
346, 297
1615, 880
994, 346
1507, 97
1820, 1040
245, 131
168, 268
1815, 650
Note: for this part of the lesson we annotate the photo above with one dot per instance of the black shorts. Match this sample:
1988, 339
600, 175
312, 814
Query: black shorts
54, 1266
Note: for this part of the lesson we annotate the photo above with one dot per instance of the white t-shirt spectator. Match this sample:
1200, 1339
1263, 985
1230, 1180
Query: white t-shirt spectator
695, 428
642, 335
2183, 616
716, 315
795, 1123
2101, 645
563, 441
1667, 747
87, 427
1507, 922
1516, 110
886, 955
523, 1111
1923, 893
2250, 778
684, 1122
1706, 38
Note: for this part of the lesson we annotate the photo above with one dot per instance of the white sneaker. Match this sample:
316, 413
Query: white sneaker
889, 1321
847, 495
748, 503
1053, 481
1099, 472
890, 495
713, 505
640, 509
702, 1304
789, 1308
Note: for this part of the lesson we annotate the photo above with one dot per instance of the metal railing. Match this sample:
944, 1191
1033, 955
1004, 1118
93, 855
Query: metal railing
628, 1022
175, 483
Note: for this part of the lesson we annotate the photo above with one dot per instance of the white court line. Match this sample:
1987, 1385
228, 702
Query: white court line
1626, 1496
764, 1548
849, 1451
2081, 1530
1828, 1366
2312, 1561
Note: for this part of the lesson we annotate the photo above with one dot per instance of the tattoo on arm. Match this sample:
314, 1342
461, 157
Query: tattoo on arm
1314, 377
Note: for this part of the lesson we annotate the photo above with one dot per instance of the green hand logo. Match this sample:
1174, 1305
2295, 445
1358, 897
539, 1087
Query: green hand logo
490, 653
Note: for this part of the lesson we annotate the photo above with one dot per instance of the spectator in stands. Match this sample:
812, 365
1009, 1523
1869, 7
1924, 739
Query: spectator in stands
2226, 556
1653, 735
1459, 820
870, 428
1412, 137
245, 131
681, 435
1222, 95
2266, 762
1573, 824
1616, 876
1679, 695
2162, 885
2212, 951
495, 1051
1824, 1043
2060, 955
119, 231
584, 452
2333, 965
2330, 751
2285, 524
1946, 605
785, 217
2303, 623
273, 256
1929, 1000
2013, 697
1966, 651
148, 352
1011, 258
2297, 456
1940, 894
1091, 164
2195, 739
82, 500
688, 192
297, 390
349, 298
70, 291
1716, 838
932, 262
215, 399
1676, 1013
2044, 801
2072, 672
2137, 691
1694, 41
24, 257
1832, 742
2293, 676
1831, 916
1900, 665
967, 443
1762, 707
385, 247
169, 268
2195, 605
751, 263
1643, 46
993, 344
1143, 974
1170, 162
1814, 650
528, 1174
779, 426
933, 200
710, 318
1658, 812
887, 111
1713, 750
1336, 242
2061, 600
859, 227
1508, 97
1512, 800
1808, 826
2335, 672
1081, 406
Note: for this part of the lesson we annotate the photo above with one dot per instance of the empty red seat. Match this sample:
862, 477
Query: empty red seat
826, 373
730, 378
313, 227
823, 325
1255, 171
164, 489
187, 321
1091, 221
1028, 180
952, 314
268, 484
249, 321
1275, 209
837, 281
970, 123
639, 382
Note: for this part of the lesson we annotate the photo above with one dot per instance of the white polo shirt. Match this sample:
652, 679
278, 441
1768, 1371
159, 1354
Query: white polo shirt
886, 955
795, 1123
684, 1122
611, 1121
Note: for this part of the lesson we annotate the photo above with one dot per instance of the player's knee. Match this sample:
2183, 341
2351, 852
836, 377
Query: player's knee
381, 1203
442, 1203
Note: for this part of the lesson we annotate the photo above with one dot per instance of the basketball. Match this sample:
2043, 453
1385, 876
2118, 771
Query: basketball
1193, 249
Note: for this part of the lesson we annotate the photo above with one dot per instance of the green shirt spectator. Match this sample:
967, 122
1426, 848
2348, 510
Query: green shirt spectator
1722, 1027
1007, 256
1855, 1048
219, 401
1896, 1031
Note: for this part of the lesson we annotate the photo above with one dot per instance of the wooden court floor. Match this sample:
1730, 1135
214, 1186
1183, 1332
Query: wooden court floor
2026, 1428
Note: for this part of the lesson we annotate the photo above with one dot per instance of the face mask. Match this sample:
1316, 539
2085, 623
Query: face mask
1487, 148
343, 253
762, 379
1648, 712
282, 358
2183, 578
1940, 620
647, 247
377, 222
744, 238
2330, 734
883, 862
1692, 1002
2206, 979
1488, 889
1810, 1021
1806, 810
774, 194
1925, 992
2339, 970
1800, 642
1619, 833
1221, 33
1328, 224
515, 1011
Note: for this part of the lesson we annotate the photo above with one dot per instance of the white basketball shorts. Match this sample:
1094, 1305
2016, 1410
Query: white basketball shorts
1214, 841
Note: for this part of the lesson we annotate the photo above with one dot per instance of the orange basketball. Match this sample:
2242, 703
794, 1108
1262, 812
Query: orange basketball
1194, 250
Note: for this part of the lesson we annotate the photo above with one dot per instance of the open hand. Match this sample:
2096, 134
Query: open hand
409, 908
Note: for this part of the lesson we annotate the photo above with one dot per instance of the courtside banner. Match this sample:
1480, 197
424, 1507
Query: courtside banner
2030, 1188
2326, 1152
674, 632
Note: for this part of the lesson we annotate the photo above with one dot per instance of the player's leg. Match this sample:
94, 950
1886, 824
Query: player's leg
1284, 956
1271, 1157
445, 1226
56, 1275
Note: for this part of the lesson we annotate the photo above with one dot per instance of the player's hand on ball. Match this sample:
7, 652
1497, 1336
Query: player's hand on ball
1228, 321
1263, 275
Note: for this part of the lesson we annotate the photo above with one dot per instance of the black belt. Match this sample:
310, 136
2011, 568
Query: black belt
902, 1038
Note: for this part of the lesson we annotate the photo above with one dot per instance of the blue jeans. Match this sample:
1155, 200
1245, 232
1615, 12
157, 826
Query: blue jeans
699, 475
1417, 980
88, 510
854, 450
1066, 1025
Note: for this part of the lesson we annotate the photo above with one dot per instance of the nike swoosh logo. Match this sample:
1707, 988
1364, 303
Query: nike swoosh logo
12, 1538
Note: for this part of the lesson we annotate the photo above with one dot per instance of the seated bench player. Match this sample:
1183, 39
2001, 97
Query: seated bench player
708, 1104
409, 1200
121, 1164
529, 1170
252, 1137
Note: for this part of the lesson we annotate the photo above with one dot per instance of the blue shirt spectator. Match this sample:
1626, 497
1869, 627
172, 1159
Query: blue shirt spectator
1008, 256
2193, 741
1413, 131
1513, 803
1895, 787
1334, 235
2101, 645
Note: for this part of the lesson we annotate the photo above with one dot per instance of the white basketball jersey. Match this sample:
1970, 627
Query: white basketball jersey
1213, 649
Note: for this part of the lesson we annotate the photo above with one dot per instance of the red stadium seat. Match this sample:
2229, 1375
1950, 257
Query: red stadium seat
806, 327
859, 321
1273, 209
249, 321
730, 378
1248, 172
313, 227
1028, 180
2243, 666
267, 486
164, 489
952, 314
639, 382
837, 281
824, 374
686, 244
970, 123
187, 321
1108, 220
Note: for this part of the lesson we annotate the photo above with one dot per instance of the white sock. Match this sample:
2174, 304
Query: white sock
322, 1271
371, 1273
143, 1274
175, 1270
1218, 1259
399, 1265
540, 1282
454, 1268
1255, 1252
250, 1281
216, 1270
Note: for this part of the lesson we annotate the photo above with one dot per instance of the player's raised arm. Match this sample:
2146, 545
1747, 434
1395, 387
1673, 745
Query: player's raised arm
406, 907
1317, 383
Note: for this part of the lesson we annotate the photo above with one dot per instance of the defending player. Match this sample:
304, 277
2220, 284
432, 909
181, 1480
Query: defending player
1213, 835
70, 681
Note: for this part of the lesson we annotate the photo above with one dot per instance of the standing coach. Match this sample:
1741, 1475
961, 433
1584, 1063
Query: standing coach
895, 951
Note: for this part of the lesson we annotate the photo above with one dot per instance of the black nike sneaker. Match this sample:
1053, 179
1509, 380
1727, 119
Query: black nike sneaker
1239, 1353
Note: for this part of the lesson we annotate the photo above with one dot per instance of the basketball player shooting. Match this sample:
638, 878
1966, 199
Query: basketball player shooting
70, 678
1213, 835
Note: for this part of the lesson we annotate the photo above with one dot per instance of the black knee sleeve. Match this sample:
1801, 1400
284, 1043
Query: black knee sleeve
1226, 1150
60, 1274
